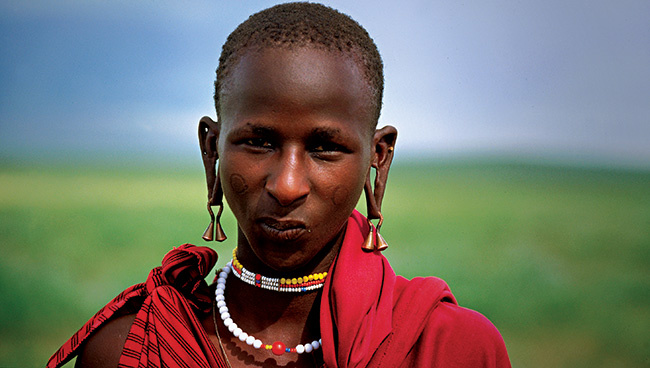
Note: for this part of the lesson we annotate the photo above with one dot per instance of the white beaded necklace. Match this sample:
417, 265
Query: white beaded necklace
278, 348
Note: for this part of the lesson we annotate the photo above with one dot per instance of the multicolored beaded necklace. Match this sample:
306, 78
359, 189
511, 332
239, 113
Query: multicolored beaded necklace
297, 285
278, 348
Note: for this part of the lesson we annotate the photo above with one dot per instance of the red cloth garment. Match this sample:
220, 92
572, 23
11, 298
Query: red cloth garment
369, 317
372, 318
166, 328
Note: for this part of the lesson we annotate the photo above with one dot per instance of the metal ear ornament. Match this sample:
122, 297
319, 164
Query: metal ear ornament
214, 230
374, 240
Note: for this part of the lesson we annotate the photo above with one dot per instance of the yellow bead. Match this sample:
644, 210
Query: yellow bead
283, 281
310, 277
268, 347
324, 274
294, 281
300, 280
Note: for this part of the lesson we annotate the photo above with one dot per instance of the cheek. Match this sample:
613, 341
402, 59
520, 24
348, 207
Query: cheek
340, 195
344, 188
238, 184
237, 181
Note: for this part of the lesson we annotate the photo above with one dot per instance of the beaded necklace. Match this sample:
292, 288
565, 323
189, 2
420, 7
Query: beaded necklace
297, 285
278, 348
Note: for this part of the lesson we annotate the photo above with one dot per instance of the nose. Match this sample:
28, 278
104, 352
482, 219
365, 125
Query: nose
288, 181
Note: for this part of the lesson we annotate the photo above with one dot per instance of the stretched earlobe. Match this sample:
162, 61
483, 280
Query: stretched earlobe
384, 141
208, 138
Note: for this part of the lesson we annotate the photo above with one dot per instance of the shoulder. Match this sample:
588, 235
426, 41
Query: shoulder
463, 338
462, 323
451, 335
104, 347
438, 309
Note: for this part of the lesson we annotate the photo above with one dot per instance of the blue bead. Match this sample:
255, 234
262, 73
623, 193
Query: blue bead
287, 350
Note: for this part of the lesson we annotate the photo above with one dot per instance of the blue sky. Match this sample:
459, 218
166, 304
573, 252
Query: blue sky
568, 79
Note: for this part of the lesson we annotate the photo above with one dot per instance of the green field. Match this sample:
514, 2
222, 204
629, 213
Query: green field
557, 257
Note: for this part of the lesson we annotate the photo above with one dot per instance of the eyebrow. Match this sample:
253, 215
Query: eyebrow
255, 128
326, 133
262, 130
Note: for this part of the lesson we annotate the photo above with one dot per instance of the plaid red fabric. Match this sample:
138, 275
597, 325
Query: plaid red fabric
166, 328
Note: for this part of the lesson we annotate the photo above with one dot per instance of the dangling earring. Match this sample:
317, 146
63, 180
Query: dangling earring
374, 240
214, 230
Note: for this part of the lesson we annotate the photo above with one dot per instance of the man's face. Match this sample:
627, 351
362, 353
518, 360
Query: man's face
295, 147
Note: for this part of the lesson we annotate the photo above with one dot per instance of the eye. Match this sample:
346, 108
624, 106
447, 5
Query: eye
258, 143
328, 151
327, 147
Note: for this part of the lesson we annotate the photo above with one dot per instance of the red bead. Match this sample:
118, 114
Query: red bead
258, 277
278, 348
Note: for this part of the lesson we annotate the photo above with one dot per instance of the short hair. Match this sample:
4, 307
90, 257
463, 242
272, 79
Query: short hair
301, 24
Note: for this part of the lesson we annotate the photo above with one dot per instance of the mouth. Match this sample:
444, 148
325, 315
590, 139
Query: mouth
282, 230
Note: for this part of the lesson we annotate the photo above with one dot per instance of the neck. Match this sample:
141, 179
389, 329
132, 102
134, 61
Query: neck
291, 314
321, 262
264, 316
291, 317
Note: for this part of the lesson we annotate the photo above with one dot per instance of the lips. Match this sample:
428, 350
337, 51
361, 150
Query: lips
282, 230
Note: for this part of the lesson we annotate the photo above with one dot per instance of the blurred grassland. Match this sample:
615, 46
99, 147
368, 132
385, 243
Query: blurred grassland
557, 257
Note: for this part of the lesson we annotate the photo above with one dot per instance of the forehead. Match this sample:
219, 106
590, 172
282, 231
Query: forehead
301, 79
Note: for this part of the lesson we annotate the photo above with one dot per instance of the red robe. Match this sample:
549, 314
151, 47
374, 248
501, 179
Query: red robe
369, 316
372, 318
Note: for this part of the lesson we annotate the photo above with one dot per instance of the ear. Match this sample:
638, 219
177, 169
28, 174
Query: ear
384, 148
384, 141
208, 137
